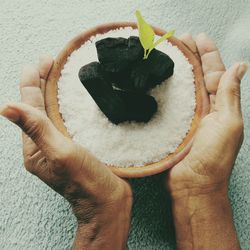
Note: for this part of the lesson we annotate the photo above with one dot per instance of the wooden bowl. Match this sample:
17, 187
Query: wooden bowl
202, 103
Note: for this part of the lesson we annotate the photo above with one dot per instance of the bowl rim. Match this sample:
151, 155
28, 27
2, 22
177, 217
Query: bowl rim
201, 96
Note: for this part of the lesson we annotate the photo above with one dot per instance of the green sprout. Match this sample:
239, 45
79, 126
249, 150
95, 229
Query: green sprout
147, 35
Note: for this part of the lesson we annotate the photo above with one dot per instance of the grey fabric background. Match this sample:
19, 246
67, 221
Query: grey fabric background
34, 217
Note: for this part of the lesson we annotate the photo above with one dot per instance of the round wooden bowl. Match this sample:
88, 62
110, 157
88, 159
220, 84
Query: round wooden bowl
202, 103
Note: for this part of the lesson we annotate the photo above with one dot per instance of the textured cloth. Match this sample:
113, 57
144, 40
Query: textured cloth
34, 217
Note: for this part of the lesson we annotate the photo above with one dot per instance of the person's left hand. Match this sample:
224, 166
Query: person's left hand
219, 136
100, 200
198, 184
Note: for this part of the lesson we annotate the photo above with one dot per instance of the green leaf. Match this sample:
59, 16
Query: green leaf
146, 33
166, 36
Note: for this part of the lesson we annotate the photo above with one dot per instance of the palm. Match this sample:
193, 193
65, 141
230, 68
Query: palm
93, 191
201, 166
54, 170
206, 164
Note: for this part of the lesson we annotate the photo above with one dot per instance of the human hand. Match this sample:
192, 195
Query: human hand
100, 200
217, 141
198, 185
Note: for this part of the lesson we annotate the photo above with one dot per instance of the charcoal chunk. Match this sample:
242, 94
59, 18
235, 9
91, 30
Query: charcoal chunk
91, 76
116, 54
135, 49
119, 79
148, 73
139, 107
118, 106
113, 53
101, 91
123, 64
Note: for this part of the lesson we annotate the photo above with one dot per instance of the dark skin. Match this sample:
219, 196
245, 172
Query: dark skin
199, 184
93, 191
102, 202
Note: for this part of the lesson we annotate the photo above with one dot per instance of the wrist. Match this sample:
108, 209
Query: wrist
200, 205
200, 194
109, 226
204, 221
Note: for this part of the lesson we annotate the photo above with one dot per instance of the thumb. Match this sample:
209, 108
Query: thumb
228, 93
83, 166
37, 126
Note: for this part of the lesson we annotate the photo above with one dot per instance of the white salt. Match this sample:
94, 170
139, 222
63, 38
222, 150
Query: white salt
128, 143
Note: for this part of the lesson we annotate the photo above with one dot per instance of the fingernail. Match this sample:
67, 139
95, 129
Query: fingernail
242, 69
9, 113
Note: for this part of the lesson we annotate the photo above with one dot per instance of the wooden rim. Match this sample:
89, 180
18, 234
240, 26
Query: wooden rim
202, 102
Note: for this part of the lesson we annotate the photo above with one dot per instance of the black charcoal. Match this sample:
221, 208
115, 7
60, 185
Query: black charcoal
119, 79
117, 105
119, 82
113, 53
139, 107
148, 73
116, 54
91, 76
123, 64
117, 57
135, 49
101, 91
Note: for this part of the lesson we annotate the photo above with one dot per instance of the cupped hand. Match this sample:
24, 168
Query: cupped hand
208, 165
100, 200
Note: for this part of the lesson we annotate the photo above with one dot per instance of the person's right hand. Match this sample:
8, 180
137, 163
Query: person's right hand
100, 200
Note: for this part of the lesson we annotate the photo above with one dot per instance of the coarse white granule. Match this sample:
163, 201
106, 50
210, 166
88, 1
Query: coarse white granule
128, 143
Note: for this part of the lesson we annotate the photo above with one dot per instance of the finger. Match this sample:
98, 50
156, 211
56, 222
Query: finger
30, 88
48, 144
31, 94
228, 94
45, 65
38, 127
67, 158
212, 65
188, 40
